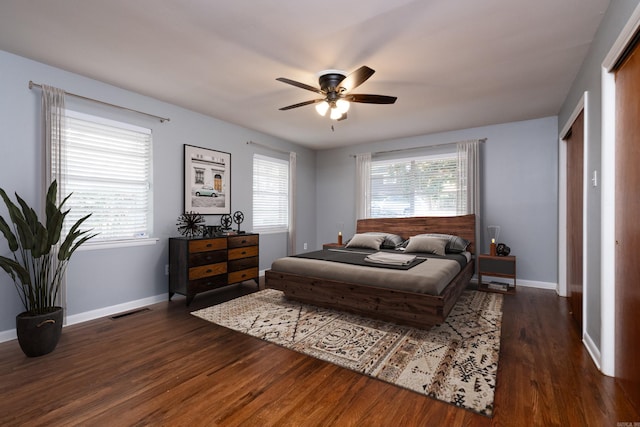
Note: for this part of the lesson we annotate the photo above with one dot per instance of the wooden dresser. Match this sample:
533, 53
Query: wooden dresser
203, 264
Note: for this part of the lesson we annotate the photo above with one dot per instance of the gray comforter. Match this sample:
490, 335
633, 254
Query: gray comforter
429, 277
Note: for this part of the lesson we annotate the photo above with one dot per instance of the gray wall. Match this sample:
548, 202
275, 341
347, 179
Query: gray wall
589, 79
109, 277
519, 190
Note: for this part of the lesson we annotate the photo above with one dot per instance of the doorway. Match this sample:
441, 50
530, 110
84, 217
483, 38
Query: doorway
574, 141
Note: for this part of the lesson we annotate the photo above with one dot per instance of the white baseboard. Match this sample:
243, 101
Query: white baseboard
536, 284
593, 350
8, 335
529, 284
96, 314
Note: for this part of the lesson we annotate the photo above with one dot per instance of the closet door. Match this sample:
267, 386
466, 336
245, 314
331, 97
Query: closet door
627, 234
575, 183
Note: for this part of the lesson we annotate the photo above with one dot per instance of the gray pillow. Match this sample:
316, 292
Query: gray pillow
455, 244
427, 244
391, 241
366, 241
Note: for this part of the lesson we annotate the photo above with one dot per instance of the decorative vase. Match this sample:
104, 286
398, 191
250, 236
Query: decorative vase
39, 334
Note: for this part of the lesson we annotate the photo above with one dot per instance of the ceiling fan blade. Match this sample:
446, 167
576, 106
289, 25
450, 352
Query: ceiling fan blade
371, 99
356, 78
301, 104
343, 117
300, 85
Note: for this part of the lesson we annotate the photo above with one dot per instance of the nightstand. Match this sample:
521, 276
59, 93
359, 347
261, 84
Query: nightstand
497, 266
332, 246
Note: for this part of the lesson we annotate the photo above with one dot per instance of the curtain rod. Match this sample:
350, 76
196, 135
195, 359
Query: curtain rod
481, 140
268, 147
162, 119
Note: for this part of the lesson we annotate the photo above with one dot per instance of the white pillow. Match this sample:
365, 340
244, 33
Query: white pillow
366, 241
430, 245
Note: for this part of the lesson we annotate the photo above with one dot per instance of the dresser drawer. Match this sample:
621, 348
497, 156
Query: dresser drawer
242, 275
207, 283
242, 264
204, 245
204, 258
207, 270
243, 252
241, 241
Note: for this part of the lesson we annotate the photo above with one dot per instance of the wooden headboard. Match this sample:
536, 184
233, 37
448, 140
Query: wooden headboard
462, 225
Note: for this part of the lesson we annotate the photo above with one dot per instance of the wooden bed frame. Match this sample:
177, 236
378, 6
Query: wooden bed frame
409, 308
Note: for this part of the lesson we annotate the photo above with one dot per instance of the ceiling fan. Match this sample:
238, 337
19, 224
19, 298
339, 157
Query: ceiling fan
336, 87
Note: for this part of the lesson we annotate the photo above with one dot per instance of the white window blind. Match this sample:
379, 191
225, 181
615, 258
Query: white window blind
270, 194
418, 186
108, 170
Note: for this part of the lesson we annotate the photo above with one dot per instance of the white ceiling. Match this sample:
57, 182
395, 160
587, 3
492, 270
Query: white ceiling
453, 64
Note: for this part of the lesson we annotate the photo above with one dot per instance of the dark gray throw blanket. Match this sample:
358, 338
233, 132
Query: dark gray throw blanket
355, 258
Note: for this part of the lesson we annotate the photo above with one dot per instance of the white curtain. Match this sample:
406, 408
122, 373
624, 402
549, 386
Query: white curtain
292, 203
363, 185
53, 118
469, 183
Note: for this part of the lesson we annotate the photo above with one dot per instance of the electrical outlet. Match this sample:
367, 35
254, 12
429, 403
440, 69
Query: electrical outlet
305, 246
166, 269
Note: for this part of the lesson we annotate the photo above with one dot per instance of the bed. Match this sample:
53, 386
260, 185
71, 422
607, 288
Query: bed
418, 309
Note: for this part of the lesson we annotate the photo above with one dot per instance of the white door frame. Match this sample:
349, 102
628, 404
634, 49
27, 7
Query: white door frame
583, 105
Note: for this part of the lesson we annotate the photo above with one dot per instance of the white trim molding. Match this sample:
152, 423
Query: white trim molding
538, 285
562, 196
96, 314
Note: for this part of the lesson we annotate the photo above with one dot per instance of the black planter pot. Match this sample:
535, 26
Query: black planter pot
39, 334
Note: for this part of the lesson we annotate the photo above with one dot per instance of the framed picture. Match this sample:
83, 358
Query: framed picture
207, 181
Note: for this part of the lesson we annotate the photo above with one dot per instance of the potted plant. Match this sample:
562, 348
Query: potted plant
38, 266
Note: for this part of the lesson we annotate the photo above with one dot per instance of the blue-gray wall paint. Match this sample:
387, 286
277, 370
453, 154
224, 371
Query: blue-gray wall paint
519, 189
589, 78
108, 277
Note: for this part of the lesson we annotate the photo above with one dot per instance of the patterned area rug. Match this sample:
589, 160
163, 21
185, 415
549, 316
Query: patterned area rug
455, 362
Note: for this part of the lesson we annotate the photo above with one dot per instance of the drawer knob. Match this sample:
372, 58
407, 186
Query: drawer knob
208, 245
244, 241
209, 270
244, 252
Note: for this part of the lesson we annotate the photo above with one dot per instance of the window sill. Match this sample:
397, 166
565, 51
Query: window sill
270, 231
89, 246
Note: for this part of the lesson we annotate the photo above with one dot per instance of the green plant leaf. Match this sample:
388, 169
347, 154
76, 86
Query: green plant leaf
13, 268
8, 234
41, 244
14, 212
80, 242
67, 247
24, 232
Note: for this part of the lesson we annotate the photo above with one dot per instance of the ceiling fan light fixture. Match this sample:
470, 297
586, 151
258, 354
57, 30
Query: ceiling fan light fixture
335, 113
322, 108
342, 105
335, 86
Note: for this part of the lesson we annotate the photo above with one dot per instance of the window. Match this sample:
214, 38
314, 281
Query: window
270, 194
108, 170
199, 175
417, 186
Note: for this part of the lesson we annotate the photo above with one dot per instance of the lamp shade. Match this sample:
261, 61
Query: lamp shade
342, 105
322, 107
335, 114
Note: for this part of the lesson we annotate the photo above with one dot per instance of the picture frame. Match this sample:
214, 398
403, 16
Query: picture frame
207, 181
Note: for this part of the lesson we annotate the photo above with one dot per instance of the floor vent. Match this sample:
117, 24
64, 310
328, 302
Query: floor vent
129, 313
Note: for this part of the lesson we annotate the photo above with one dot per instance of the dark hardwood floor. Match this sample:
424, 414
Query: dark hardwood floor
163, 366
